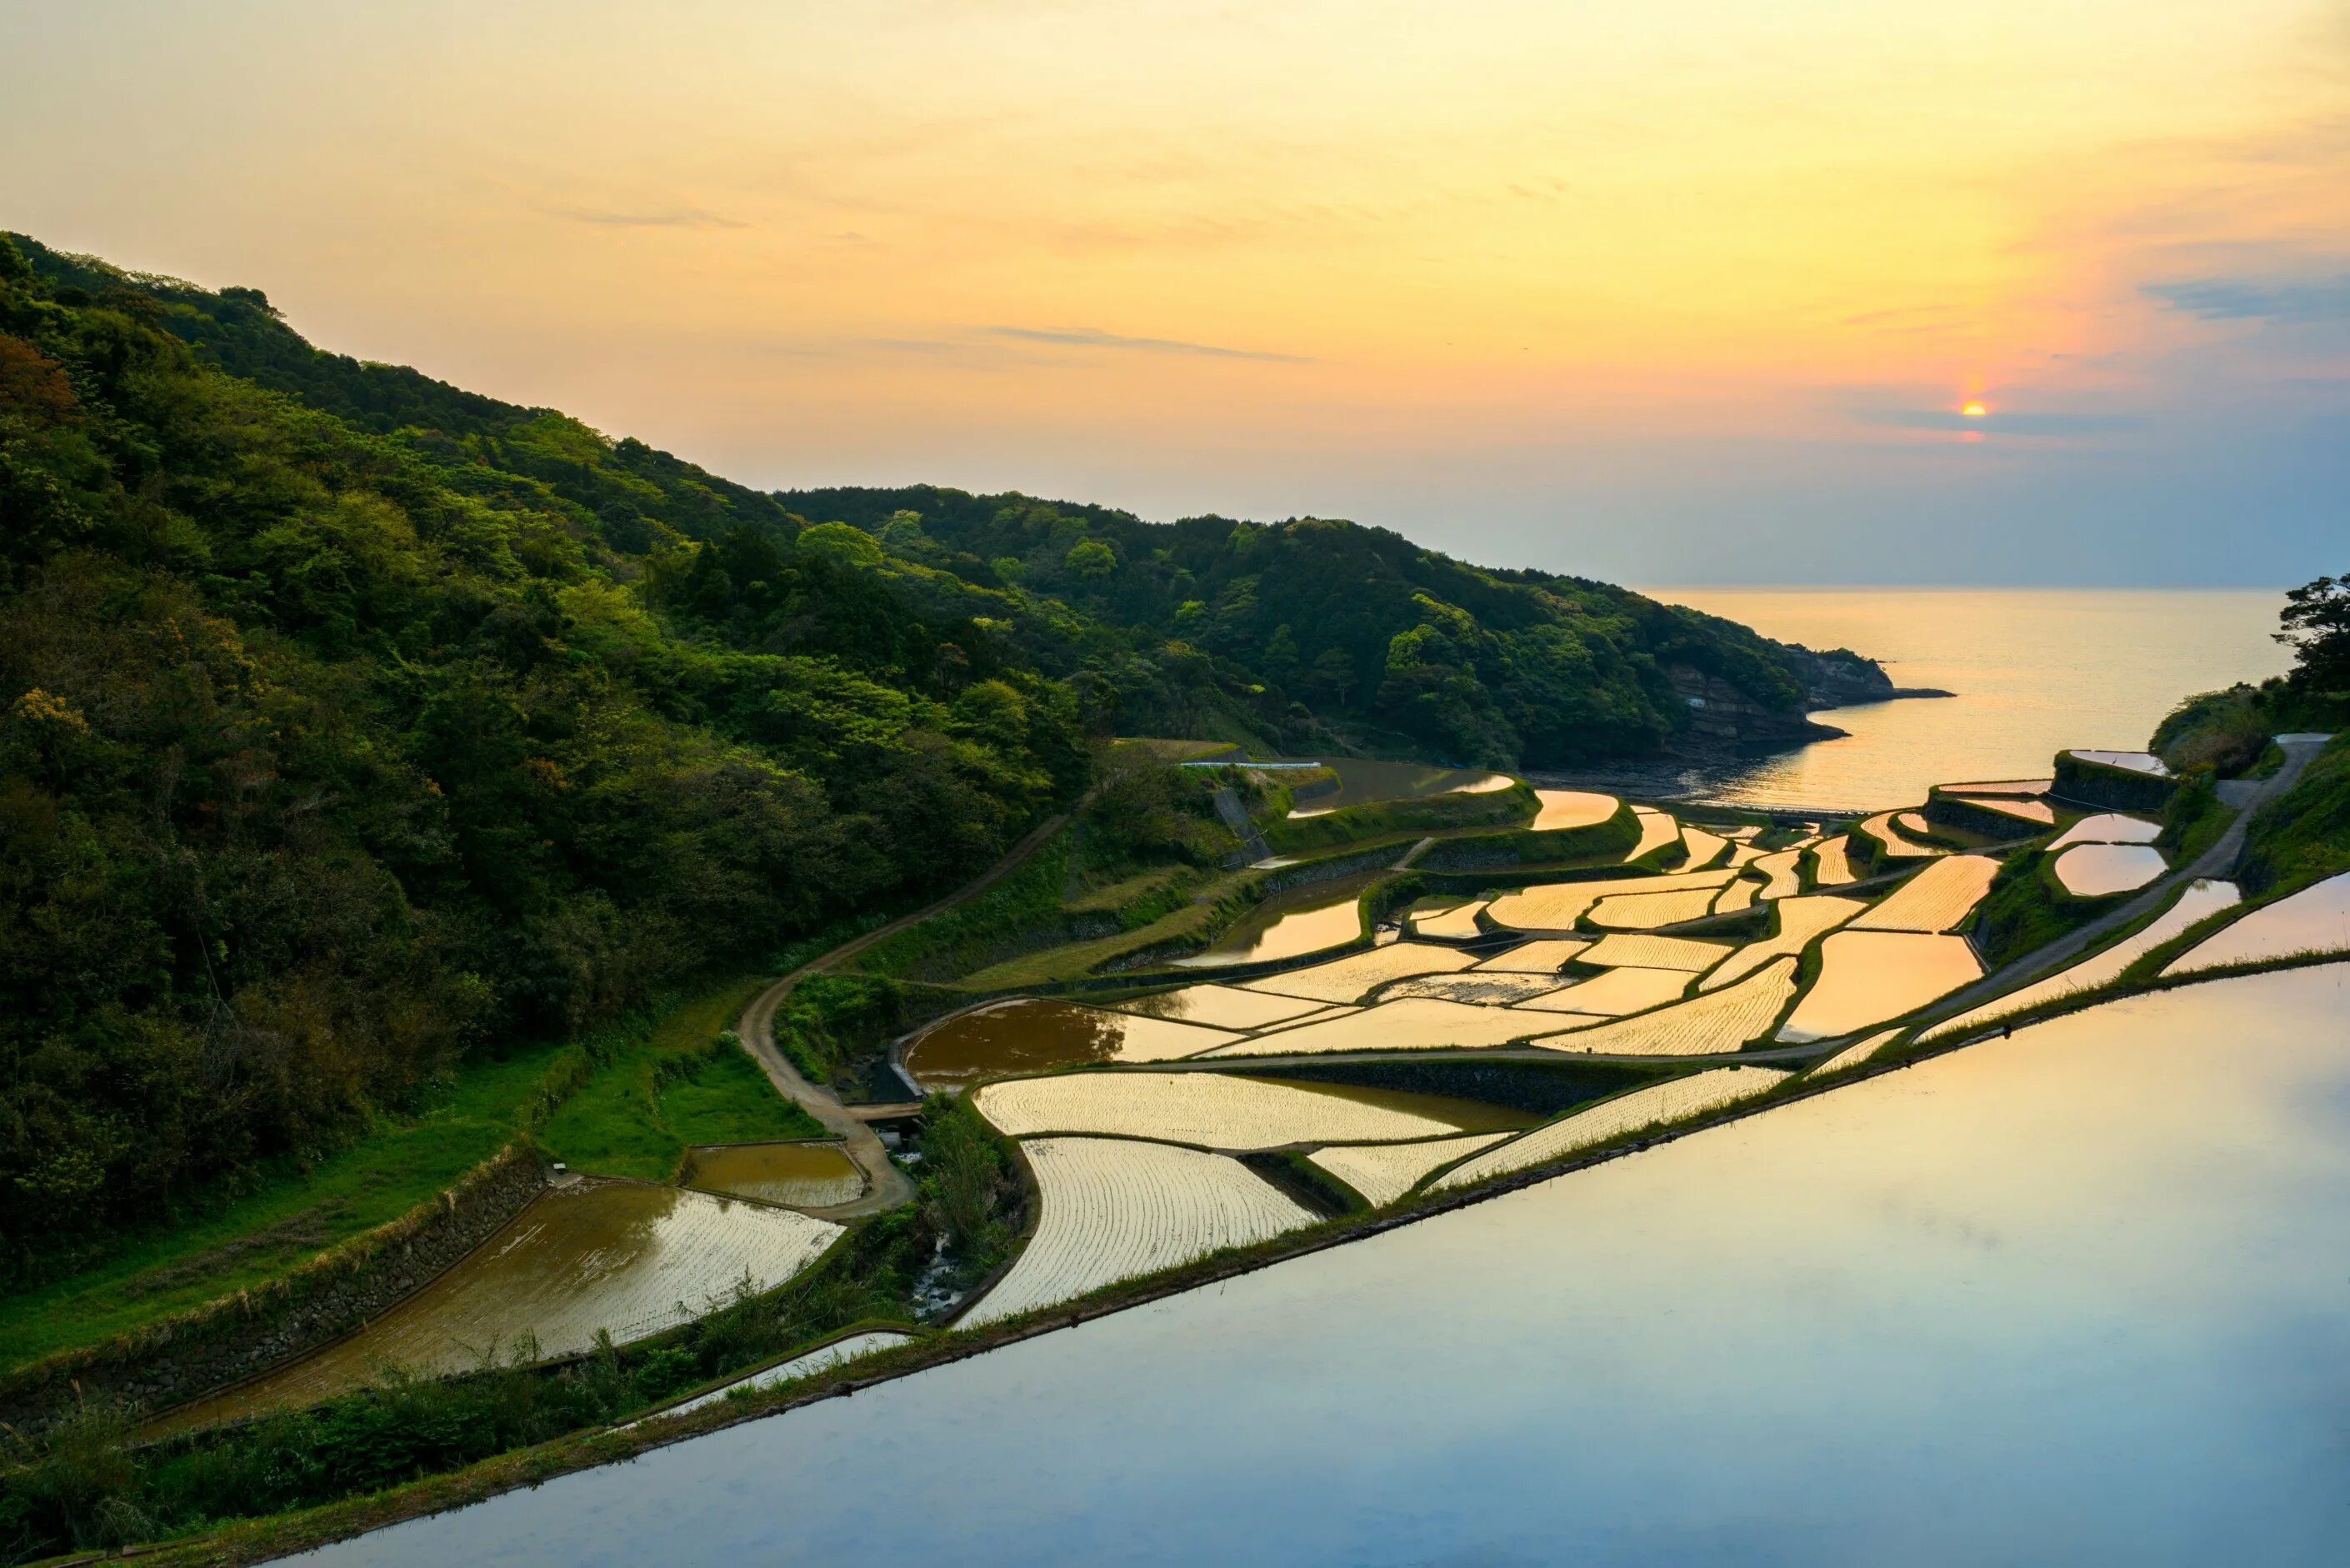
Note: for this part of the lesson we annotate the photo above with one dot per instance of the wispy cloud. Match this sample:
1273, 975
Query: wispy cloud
670, 218
1093, 338
2295, 301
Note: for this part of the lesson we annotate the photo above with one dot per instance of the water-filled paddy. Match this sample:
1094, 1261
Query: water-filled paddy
2039, 813
2108, 827
622, 1256
1943, 1308
1217, 1111
845, 1349
2135, 762
1112, 1209
2316, 920
1571, 808
1648, 911
1545, 955
1290, 925
1938, 898
1558, 906
1364, 781
1658, 828
2095, 870
1620, 948
1218, 1006
1031, 1034
1711, 1022
1383, 1172
1799, 922
1408, 1024
1868, 978
1614, 993
800, 1174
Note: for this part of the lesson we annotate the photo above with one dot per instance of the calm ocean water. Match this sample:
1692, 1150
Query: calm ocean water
2035, 669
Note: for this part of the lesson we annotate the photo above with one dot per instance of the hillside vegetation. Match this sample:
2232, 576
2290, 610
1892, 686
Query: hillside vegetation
354, 726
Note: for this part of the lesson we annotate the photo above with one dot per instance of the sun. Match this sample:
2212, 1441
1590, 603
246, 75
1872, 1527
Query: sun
1975, 410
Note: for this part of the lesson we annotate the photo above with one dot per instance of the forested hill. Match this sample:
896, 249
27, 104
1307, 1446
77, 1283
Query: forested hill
1376, 636
351, 723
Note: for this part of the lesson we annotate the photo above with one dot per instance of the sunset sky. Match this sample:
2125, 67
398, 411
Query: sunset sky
1663, 291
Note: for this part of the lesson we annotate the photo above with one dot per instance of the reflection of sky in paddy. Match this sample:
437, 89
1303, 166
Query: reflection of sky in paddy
2073, 1296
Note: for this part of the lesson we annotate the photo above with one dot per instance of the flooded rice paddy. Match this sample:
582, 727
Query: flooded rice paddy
1562, 808
1113, 1208
1799, 922
618, 1256
1031, 1034
1561, 906
1364, 782
1710, 1023
797, 1175
2108, 827
2198, 902
1852, 1056
1218, 1006
1357, 975
822, 1359
1383, 1172
1831, 866
1544, 955
1408, 1023
1290, 925
1618, 948
1610, 1120
1938, 898
1614, 993
1658, 828
2135, 762
2039, 813
1867, 978
2097, 870
1215, 1111
1648, 911
2315, 920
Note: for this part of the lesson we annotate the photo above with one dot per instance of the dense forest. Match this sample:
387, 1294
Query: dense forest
351, 723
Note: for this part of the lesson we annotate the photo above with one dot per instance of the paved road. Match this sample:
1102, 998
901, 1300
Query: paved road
2219, 860
885, 1186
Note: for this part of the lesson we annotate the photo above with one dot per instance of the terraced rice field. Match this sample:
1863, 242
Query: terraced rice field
2135, 762
1913, 822
1111, 1209
1218, 1006
1704, 848
1558, 906
799, 1175
1363, 782
622, 1256
1711, 1023
1897, 846
1658, 828
1648, 911
1210, 1109
2200, 901
2100, 870
1742, 856
837, 1353
1571, 808
2037, 811
1830, 866
1614, 994
1451, 923
1618, 949
1868, 978
1801, 922
1656, 1105
1357, 975
2108, 827
1383, 1172
1031, 1034
1545, 955
1852, 1056
1483, 987
1938, 898
1290, 925
2316, 920
1738, 894
1412, 1024
1783, 874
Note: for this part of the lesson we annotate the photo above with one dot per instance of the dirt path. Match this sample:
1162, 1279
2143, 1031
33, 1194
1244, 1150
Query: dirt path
885, 1186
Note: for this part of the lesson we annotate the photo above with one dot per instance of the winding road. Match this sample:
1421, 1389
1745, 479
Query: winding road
885, 1186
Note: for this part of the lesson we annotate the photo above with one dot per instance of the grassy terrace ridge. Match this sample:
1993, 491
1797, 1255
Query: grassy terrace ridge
624, 1118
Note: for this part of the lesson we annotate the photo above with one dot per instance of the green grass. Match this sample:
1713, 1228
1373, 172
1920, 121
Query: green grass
623, 1121
1400, 818
614, 1124
729, 1100
294, 1213
2027, 908
2304, 834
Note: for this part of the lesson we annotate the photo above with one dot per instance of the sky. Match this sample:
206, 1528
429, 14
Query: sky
1664, 291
